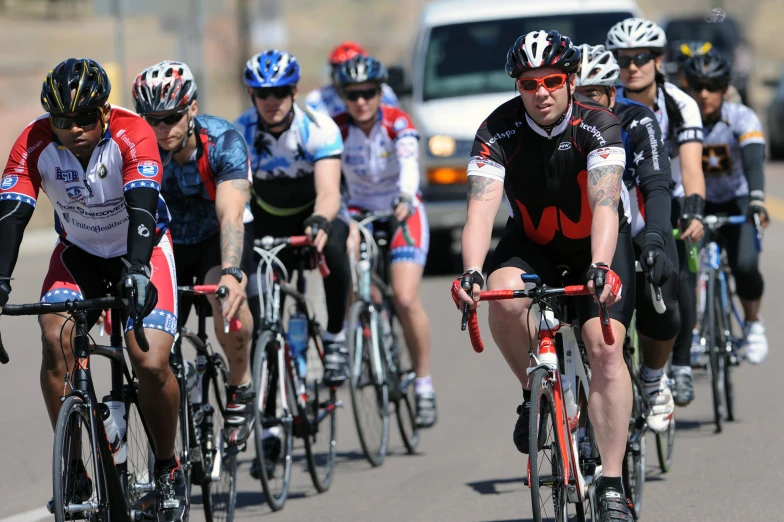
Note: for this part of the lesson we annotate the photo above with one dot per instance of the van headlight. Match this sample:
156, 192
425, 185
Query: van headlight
442, 146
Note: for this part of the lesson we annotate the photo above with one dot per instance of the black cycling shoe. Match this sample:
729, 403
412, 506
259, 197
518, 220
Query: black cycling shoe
522, 428
613, 507
79, 484
172, 504
682, 388
239, 414
426, 411
335, 363
272, 446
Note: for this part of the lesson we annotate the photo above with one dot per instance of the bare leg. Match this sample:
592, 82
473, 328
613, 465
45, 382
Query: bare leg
416, 325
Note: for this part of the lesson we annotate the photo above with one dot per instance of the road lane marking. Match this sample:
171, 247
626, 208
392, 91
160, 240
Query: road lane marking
34, 515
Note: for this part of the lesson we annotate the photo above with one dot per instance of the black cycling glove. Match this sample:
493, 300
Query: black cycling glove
656, 265
5, 289
145, 293
693, 208
317, 222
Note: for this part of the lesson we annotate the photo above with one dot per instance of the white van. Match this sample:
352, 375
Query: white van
458, 79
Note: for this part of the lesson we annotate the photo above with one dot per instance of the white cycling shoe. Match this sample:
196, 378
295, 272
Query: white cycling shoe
662, 407
756, 342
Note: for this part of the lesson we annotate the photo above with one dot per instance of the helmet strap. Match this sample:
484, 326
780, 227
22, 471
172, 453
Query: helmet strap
172, 153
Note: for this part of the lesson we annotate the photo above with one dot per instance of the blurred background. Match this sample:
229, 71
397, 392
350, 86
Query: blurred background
215, 37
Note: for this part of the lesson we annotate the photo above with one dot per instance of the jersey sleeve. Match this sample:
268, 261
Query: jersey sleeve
487, 156
230, 154
388, 96
748, 128
691, 130
325, 140
407, 150
21, 180
141, 159
600, 140
315, 101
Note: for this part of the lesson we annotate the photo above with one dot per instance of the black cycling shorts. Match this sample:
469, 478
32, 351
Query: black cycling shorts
515, 249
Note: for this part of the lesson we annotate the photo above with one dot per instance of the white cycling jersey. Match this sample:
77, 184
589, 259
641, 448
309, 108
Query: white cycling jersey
382, 165
690, 131
721, 156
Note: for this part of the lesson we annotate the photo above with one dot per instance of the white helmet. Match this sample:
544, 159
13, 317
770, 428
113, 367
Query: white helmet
634, 33
165, 86
597, 67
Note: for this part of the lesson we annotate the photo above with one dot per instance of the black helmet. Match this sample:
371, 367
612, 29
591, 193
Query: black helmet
542, 49
359, 69
710, 66
75, 85
685, 49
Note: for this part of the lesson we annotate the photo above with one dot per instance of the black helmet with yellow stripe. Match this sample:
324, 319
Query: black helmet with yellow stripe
75, 85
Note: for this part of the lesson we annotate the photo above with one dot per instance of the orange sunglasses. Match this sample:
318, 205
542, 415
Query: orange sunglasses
551, 82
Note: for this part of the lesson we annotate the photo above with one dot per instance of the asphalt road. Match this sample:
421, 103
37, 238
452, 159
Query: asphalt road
467, 468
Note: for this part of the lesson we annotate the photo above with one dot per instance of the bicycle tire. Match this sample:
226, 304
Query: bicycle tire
140, 460
543, 416
363, 376
219, 497
712, 342
265, 377
729, 350
405, 393
73, 422
634, 459
320, 450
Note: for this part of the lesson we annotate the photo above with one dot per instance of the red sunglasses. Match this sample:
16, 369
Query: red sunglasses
551, 82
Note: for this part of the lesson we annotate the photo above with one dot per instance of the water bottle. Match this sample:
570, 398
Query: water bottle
113, 416
194, 392
386, 328
298, 340
571, 405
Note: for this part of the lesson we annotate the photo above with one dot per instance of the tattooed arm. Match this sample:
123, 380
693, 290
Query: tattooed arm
484, 199
604, 194
230, 200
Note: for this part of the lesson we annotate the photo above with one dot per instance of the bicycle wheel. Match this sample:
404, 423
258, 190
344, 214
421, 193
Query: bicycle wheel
728, 342
140, 460
73, 442
404, 395
219, 485
546, 462
636, 448
713, 308
273, 425
369, 391
321, 427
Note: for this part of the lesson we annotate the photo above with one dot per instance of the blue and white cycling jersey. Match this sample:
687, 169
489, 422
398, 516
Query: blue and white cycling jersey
189, 190
327, 99
282, 167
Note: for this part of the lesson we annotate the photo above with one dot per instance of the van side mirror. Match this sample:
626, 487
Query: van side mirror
397, 81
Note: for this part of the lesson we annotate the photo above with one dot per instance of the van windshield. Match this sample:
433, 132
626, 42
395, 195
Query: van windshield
468, 58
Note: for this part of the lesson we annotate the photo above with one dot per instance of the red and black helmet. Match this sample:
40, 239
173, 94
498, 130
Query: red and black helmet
539, 49
345, 51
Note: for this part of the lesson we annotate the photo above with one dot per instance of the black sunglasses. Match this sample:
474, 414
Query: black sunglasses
365, 94
169, 119
84, 120
279, 93
638, 59
710, 86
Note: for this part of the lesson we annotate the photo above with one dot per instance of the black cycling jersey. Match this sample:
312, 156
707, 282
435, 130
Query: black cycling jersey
548, 172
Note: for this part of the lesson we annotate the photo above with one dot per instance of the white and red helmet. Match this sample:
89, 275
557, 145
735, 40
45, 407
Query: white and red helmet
539, 49
166, 86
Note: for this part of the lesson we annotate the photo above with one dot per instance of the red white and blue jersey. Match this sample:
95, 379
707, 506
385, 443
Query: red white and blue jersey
378, 167
89, 203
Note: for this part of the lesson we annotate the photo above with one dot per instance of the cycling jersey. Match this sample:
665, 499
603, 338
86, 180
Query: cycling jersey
378, 167
282, 167
189, 189
690, 131
721, 157
647, 176
547, 179
89, 203
328, 101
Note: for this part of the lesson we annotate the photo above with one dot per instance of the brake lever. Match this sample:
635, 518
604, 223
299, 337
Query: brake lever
467, 286
658, 300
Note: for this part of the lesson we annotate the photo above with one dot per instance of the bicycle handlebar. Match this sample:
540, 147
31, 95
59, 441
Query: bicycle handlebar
376, 215
221, 292
100, 303
471, 322
269, 242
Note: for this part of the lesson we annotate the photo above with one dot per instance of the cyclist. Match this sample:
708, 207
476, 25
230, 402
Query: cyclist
202, 154
559, 159
688, 48
295, 162
327, 99
381, 171
99, 166
638, 45
647, 178
733, 159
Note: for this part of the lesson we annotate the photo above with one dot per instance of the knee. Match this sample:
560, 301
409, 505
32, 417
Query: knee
606, 361
52, 349
406, 301
153, 370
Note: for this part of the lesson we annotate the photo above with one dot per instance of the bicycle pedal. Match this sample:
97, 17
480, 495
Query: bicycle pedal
139, 515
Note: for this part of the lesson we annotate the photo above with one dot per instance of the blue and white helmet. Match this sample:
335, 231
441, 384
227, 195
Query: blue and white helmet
272, 68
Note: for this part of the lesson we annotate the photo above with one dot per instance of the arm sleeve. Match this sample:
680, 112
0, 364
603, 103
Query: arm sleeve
487, 156
232, 160
691, 130
752, 151
653, 170
141, 224
14, 217
407, 152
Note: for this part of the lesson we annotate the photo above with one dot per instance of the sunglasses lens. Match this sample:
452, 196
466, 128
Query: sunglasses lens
85, 120
529, 85
554, 82
366, 94
278, 92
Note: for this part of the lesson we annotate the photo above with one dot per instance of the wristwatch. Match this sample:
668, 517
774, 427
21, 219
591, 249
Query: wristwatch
234, 271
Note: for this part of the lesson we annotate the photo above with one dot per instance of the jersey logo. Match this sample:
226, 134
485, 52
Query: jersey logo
553, 219
75, 193
646, 120
67, 176
603, 153
716, 160
148, 169
565, 146
8, 182
639, 157
400, 124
